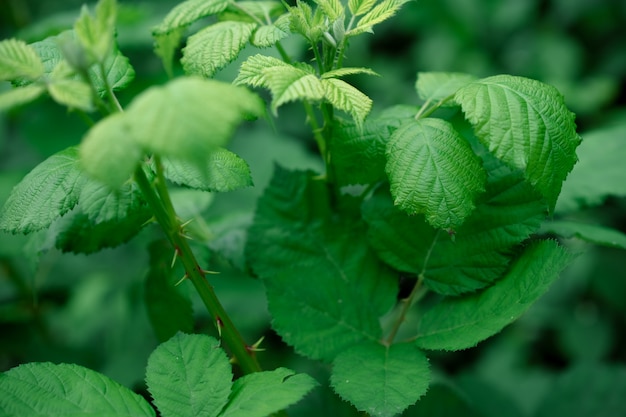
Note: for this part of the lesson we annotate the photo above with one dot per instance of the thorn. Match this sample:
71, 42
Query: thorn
181, 280
255, 347
174, 258
185, 224
186, 236
204, 271
150, 220
219, 324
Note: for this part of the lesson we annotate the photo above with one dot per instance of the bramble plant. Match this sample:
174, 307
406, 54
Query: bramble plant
453, 197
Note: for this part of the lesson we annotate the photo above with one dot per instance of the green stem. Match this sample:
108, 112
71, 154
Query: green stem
283, 53
164, 213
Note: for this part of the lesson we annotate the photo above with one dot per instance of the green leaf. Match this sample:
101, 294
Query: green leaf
439, 86
460, 323
222, 171
251, 71
49, 390
187, 12
189, 117
18, 60
599, 173
74, 94
169, 311
345, 97
593, 233
268, 35
165, 46
46, 193
587, 389
252, 11
117, 71
19, 96
359, 7
505, 215
433, 170
263, 393
341, 72
97, 33
527, 125
212, 48
381, 380
189, 375
108, 152
333, 9
378, 14
316, 265
307, 23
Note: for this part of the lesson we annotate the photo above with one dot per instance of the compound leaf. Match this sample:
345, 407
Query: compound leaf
381, 380
263, 393
345, 97
593, 233
189, 375
526, 124
19, 96
222, 171
188, 12
433, 170
378, 14
46, 193
49, 390
438, 86
462, 322
215, 46
19, 60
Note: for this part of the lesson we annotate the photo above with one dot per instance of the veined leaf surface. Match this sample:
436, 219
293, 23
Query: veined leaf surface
345, 97
437, 86
19, 60
188, 12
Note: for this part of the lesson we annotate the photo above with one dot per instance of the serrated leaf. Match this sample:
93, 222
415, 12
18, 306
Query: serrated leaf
108, 152
505, 215
526, 124
165, 46
359, 7
252, 11
118, 73
320, 267
438, 86
251, 71
74, 94
189, 375
433, 170
268, 35
307, 23
212, 48
20, 95
46, 193
291, 84
19, 60
49, 390
187, 12
381, 380
345, 97
378, 14
263, 393
593, 233
460, 323
342, 72
190, 117
97, 33
333, 9
599, 173
222, 171
169, 311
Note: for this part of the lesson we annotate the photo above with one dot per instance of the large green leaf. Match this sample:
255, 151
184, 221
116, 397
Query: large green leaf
439, 86
212, 48
18, 60
462, 322
345, 97
526, 124
189, 375
381, 380
49, 390
318, 265
506, 214
433, 170
46, 193
593, 233
188, 12
263, 393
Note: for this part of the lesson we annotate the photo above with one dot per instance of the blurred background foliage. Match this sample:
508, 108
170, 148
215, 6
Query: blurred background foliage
91, 310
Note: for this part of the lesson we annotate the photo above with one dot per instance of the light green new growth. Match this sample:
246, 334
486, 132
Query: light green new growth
187, 12
19, 60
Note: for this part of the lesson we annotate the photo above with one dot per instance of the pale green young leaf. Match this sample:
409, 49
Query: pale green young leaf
439, 86
97, 33
50, 390
359, 7
215, 46
381, 380
268, 35
593, 233
505, 215
462, 322
291, 84
169, 310
118, 73
109, 153
165, 46
187, 12
74, 94
189, 375
19, 60
190, 117
263, 393
600, 171
253, 11
46, 193
342, 72
309, 24
20, 95
433, 170
319, 266
333, 9
252, 73
221, 171
378, 14
526, 124
345, 97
